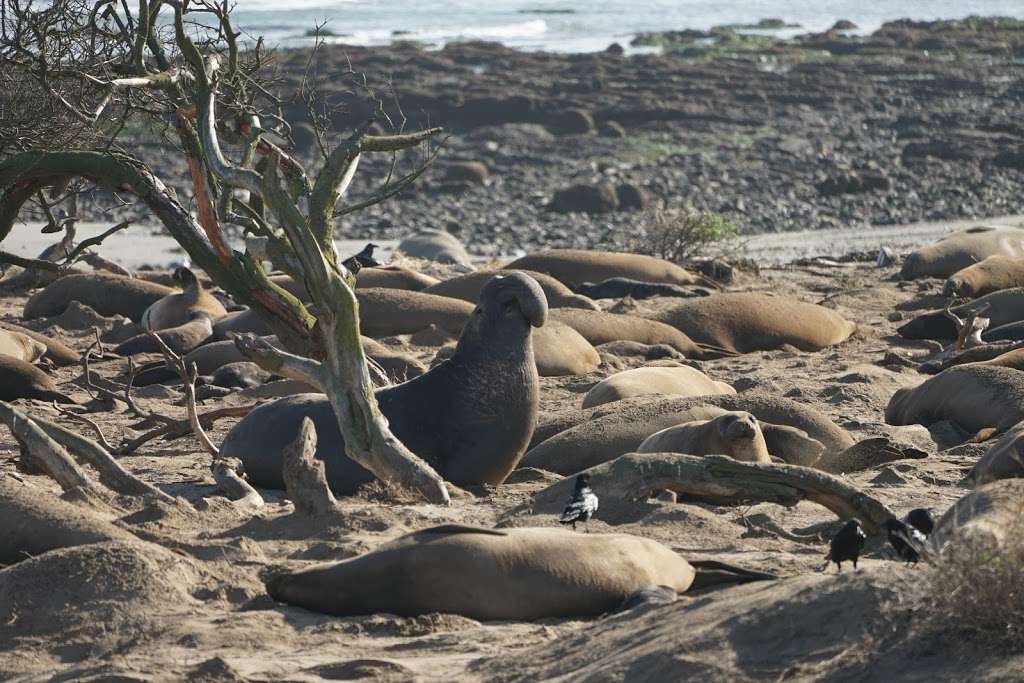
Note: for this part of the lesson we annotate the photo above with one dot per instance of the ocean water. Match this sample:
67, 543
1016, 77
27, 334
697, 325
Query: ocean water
570, 25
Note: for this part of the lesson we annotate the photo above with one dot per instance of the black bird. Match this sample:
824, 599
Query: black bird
905, 540
582, 505
363, 259
846, 545
920, 519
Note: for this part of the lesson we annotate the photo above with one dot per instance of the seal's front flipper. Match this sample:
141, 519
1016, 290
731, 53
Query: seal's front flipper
649, 595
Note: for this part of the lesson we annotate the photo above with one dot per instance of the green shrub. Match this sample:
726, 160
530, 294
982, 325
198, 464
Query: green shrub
679, 235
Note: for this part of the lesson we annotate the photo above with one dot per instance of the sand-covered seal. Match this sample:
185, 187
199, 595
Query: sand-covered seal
20, 346
105, 293
598, 327
19, 379
435, 245
986, 515
467, 287
1003, 460
389, 312
573, 267
621, 287
976, 397
489, 574
670, 379
470, 417
961, 249
179, 338
750, 321
560, 350
736, 434
991, 275
590, 437
178, 309
56, 351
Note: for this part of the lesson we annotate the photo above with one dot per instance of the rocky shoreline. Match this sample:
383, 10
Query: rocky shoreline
916, 122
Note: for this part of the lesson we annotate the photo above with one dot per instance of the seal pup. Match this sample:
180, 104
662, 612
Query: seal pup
582, 505
488, 574
21, 346
175, 310
471, 416
846, 545
736, 434
19, 379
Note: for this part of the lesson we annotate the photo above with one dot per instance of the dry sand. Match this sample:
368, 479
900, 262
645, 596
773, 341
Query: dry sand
197, 610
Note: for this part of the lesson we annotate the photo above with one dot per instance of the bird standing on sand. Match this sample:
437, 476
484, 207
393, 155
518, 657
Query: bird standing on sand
920, 519
846, 545
905, 540
582, 505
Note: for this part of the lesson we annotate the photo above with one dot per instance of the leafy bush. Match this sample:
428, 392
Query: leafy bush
679, 235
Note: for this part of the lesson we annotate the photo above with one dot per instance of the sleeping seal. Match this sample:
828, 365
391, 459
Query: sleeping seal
670, 379
736, 434
471, 416
104, 293
178, 309
576, 266
488, 574
21, 346
19, 379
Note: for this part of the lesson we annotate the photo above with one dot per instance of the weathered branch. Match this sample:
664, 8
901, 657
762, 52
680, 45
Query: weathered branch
227, 474
304, 476
723, 480
279, 362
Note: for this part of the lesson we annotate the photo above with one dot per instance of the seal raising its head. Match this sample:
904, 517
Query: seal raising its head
471, 416
736, 434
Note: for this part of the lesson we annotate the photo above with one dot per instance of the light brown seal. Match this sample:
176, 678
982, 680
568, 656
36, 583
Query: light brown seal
984, 516
467, 287
470, 417
961, 249
669, 380
394, 277
598, 327
736, 434
976, 397
181, 308
435, 245
991, 275
560, 350
573, 267
750, 321
238, 322
180, 338
104, 293
20, 346
19, 379
581, 439
56, 351
488, 574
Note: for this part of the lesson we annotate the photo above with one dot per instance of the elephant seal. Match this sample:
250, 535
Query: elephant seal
1001, 308
181, 338
621, 287
56, 351
976, 397
175, 310
519, 574
19, 379
961, 249
104, 293
470, 417
671, 379
398, 366
389, 312
1005, 459
435, 245
467, 287
592, 437
240, 375
394, 277
575, 266
991, 275
990, 514
736, 434
1007, 332
598, 327
749, 321
239, 322
560, 350
20, 346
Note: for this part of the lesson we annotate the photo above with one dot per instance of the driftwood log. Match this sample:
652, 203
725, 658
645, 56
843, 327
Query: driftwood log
722, 480
229, 475
304, 476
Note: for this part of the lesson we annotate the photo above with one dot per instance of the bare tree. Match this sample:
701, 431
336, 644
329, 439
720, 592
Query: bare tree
96, 67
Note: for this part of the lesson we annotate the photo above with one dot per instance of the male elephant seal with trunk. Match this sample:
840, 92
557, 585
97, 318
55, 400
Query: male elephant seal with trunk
490, 574
471, 416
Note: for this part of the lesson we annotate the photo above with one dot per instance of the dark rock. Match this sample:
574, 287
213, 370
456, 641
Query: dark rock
598, 198
612, 129
572, 122
614, 49
844, 25
632, 197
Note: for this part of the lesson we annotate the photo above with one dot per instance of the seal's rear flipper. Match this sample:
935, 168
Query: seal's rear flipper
712, 352
649, 595
712, 573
